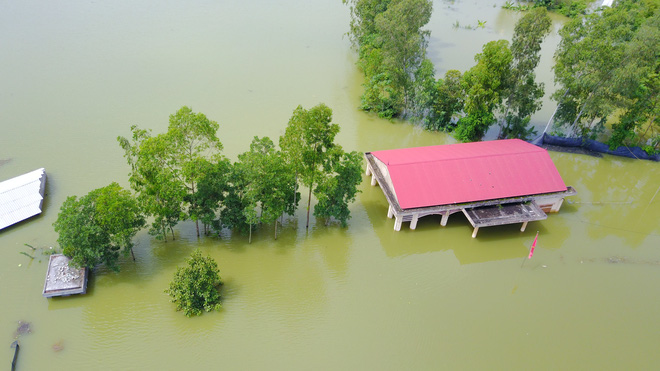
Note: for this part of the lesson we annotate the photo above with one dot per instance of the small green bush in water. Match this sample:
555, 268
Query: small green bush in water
195, 287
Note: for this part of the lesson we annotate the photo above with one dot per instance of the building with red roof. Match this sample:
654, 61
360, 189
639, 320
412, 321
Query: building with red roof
492, 183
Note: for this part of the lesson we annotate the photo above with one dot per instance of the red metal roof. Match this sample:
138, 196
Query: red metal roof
468, 172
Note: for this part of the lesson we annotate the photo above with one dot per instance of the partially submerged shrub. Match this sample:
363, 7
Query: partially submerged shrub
195, 288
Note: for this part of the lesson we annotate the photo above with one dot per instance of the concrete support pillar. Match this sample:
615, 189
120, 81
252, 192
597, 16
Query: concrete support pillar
397, 222
373, 180
556, 206
368, 171
413, 222
445, 216
474, 233
390, 212
522, 229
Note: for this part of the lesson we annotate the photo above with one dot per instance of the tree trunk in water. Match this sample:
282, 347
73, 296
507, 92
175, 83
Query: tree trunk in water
132, 254
276, 229
250, 238
197, 226
163, 230
309, 201
294, 189
172, 230
553, 114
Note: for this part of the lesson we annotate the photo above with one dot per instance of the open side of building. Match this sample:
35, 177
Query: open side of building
492, 183
22, 197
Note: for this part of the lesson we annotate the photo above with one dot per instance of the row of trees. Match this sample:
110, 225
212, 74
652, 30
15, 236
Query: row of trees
182, 175
606, 66
400, 79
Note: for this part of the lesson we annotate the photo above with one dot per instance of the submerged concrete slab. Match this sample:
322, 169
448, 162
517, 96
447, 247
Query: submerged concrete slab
63, 280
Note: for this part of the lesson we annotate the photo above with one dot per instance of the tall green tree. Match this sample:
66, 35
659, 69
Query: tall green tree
639, 89
523, 94
404, 43
194, 143
392, 53
165, 169
484, 84
159, 191
270, 181
94, 229
337, 191
448, 101
590, 63
213, 189
307, 144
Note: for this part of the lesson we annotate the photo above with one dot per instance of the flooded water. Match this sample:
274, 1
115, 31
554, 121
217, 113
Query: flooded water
75, 75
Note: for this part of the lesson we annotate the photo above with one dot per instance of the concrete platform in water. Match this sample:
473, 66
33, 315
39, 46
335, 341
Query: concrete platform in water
63, 280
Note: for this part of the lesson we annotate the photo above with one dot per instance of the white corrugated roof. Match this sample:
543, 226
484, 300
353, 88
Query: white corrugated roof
21, 197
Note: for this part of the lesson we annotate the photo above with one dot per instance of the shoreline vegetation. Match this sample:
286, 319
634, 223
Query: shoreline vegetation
607, 69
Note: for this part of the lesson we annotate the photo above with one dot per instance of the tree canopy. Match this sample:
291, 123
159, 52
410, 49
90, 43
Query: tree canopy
165, 169
95, 228
195, 287
607, 65
308, 143
269, 182
392, 50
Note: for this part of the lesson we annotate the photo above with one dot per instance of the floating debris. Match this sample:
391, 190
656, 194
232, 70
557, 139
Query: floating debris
22, 329
58, 346
616, 260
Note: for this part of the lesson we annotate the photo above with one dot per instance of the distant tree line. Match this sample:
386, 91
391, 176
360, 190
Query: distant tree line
606, 68
182, 175
569, 8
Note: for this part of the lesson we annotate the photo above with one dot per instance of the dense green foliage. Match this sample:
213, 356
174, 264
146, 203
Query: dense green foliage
165, 169
392, 50
523, 94
308, 145
195, 287
607, 65
400, 80
95, 228
339, 188
269, 183
569, 8
181, 175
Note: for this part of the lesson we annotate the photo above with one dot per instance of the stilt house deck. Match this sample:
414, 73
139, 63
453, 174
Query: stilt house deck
492, 183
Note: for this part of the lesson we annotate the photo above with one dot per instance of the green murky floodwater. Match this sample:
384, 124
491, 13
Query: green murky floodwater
75, 75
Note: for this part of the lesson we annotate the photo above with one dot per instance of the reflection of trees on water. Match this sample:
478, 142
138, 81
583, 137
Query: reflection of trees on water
613, 197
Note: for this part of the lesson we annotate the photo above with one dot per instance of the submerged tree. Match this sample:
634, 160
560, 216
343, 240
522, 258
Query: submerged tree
159, 192
448, 101
392, 50
522, 93
165, 169
94, 229
335, 192
597, 69
195, 287
269, 182
484, 84
307, 143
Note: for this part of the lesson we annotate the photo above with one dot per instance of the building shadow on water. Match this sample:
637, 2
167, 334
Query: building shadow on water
491, 244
